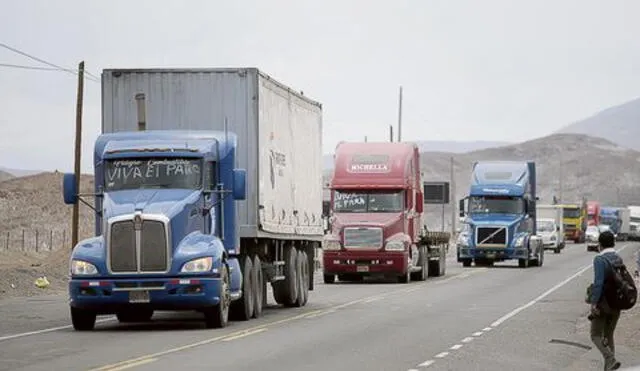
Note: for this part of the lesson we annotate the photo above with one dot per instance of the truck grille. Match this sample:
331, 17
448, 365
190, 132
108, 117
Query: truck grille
498, 236
150, 241
363, 237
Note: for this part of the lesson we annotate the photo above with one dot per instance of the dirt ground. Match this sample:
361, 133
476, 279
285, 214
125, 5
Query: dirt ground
19, 270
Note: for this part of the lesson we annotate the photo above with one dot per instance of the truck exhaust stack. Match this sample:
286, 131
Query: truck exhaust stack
142, 113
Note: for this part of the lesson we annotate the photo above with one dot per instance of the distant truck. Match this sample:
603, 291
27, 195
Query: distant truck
501, 215
550, 227
575, 221
618, 219
634, 225
178, 148
377, 204
593, 213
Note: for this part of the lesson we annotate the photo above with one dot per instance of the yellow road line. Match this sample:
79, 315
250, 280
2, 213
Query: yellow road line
248, 333
134, 364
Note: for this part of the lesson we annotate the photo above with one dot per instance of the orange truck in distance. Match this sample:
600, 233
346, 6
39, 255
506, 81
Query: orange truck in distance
376, 222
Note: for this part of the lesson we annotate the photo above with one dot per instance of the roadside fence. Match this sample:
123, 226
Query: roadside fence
38, 240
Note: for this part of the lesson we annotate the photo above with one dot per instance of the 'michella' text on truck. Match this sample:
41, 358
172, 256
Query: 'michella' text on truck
208, 185
376, 216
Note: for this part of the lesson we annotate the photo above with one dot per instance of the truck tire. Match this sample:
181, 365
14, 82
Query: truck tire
438, 268
217, 316
287, 289
83, 320
242, 309
405, 278
423, 262
523, 263
466, 262
540, 260
303, 280
259, 286
131, 316
329, 278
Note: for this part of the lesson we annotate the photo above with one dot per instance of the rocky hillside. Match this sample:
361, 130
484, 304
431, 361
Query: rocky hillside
619, 124
33, 203
5, 176
588, 166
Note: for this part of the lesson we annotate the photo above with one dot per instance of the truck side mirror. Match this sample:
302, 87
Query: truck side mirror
69, 189
419, 203
461, 208
239, 184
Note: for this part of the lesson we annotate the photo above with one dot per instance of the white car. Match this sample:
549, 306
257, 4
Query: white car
550, 233
592, 234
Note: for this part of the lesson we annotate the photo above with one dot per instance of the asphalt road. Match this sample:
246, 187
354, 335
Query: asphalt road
474, 318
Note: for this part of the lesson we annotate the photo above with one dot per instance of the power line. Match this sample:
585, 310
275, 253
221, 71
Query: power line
29, 67
90, 75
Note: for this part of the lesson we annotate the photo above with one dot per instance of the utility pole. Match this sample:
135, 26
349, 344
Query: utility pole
452, 199
365, 139
390, 133
400, 116
560, 180
78, 150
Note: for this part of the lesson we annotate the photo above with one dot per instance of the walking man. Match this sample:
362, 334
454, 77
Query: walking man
603, 318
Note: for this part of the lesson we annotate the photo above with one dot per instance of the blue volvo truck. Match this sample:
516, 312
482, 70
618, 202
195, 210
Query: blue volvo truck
500, 215
202, 197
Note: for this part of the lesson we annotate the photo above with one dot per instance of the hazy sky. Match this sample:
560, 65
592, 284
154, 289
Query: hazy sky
471, 69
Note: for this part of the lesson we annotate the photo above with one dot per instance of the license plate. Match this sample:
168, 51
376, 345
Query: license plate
139, 296
362, 268
491, 255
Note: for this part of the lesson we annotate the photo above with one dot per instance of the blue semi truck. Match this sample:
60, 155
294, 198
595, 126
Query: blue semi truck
618, 219
500, 215
202, 197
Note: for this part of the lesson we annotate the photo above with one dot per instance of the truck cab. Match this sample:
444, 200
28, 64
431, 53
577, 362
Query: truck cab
376, 215
500, 212
575, 221
164, 235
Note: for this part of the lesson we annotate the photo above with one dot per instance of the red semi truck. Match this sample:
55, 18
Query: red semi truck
593, 213
376, 217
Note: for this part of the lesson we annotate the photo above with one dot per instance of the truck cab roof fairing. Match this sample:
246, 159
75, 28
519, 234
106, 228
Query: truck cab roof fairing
376, 165
502, 178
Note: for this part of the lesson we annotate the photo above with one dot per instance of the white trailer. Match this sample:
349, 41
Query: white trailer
279, 144
552, 239
624, 218
634, 233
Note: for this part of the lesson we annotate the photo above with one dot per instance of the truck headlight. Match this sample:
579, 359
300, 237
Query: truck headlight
463, 240
394, 246
199, 265
331, 245
81, 267
519, 242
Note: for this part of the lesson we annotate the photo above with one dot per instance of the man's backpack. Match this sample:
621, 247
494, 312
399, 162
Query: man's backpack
621, 292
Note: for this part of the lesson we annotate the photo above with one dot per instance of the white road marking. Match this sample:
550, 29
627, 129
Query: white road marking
545, 294
467, 340
456, 347
427, 363
442, 355
487, 329
51, 329
479, 333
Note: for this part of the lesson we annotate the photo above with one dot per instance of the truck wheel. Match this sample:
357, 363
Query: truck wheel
242, 309
288, 288
303, 280
83, 320
130, 316
523, 263
405, 278
438, 268
466, 262
423, 262
540, 259
218, 315
329, 278
259, 286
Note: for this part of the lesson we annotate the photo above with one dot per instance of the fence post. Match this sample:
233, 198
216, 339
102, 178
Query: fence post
37, 239
51, 240
23, 239
64, 238
8, 234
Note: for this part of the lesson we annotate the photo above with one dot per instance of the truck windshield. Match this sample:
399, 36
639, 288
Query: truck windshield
170, 173
496, 205
545, 226
570, 212
368, 201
